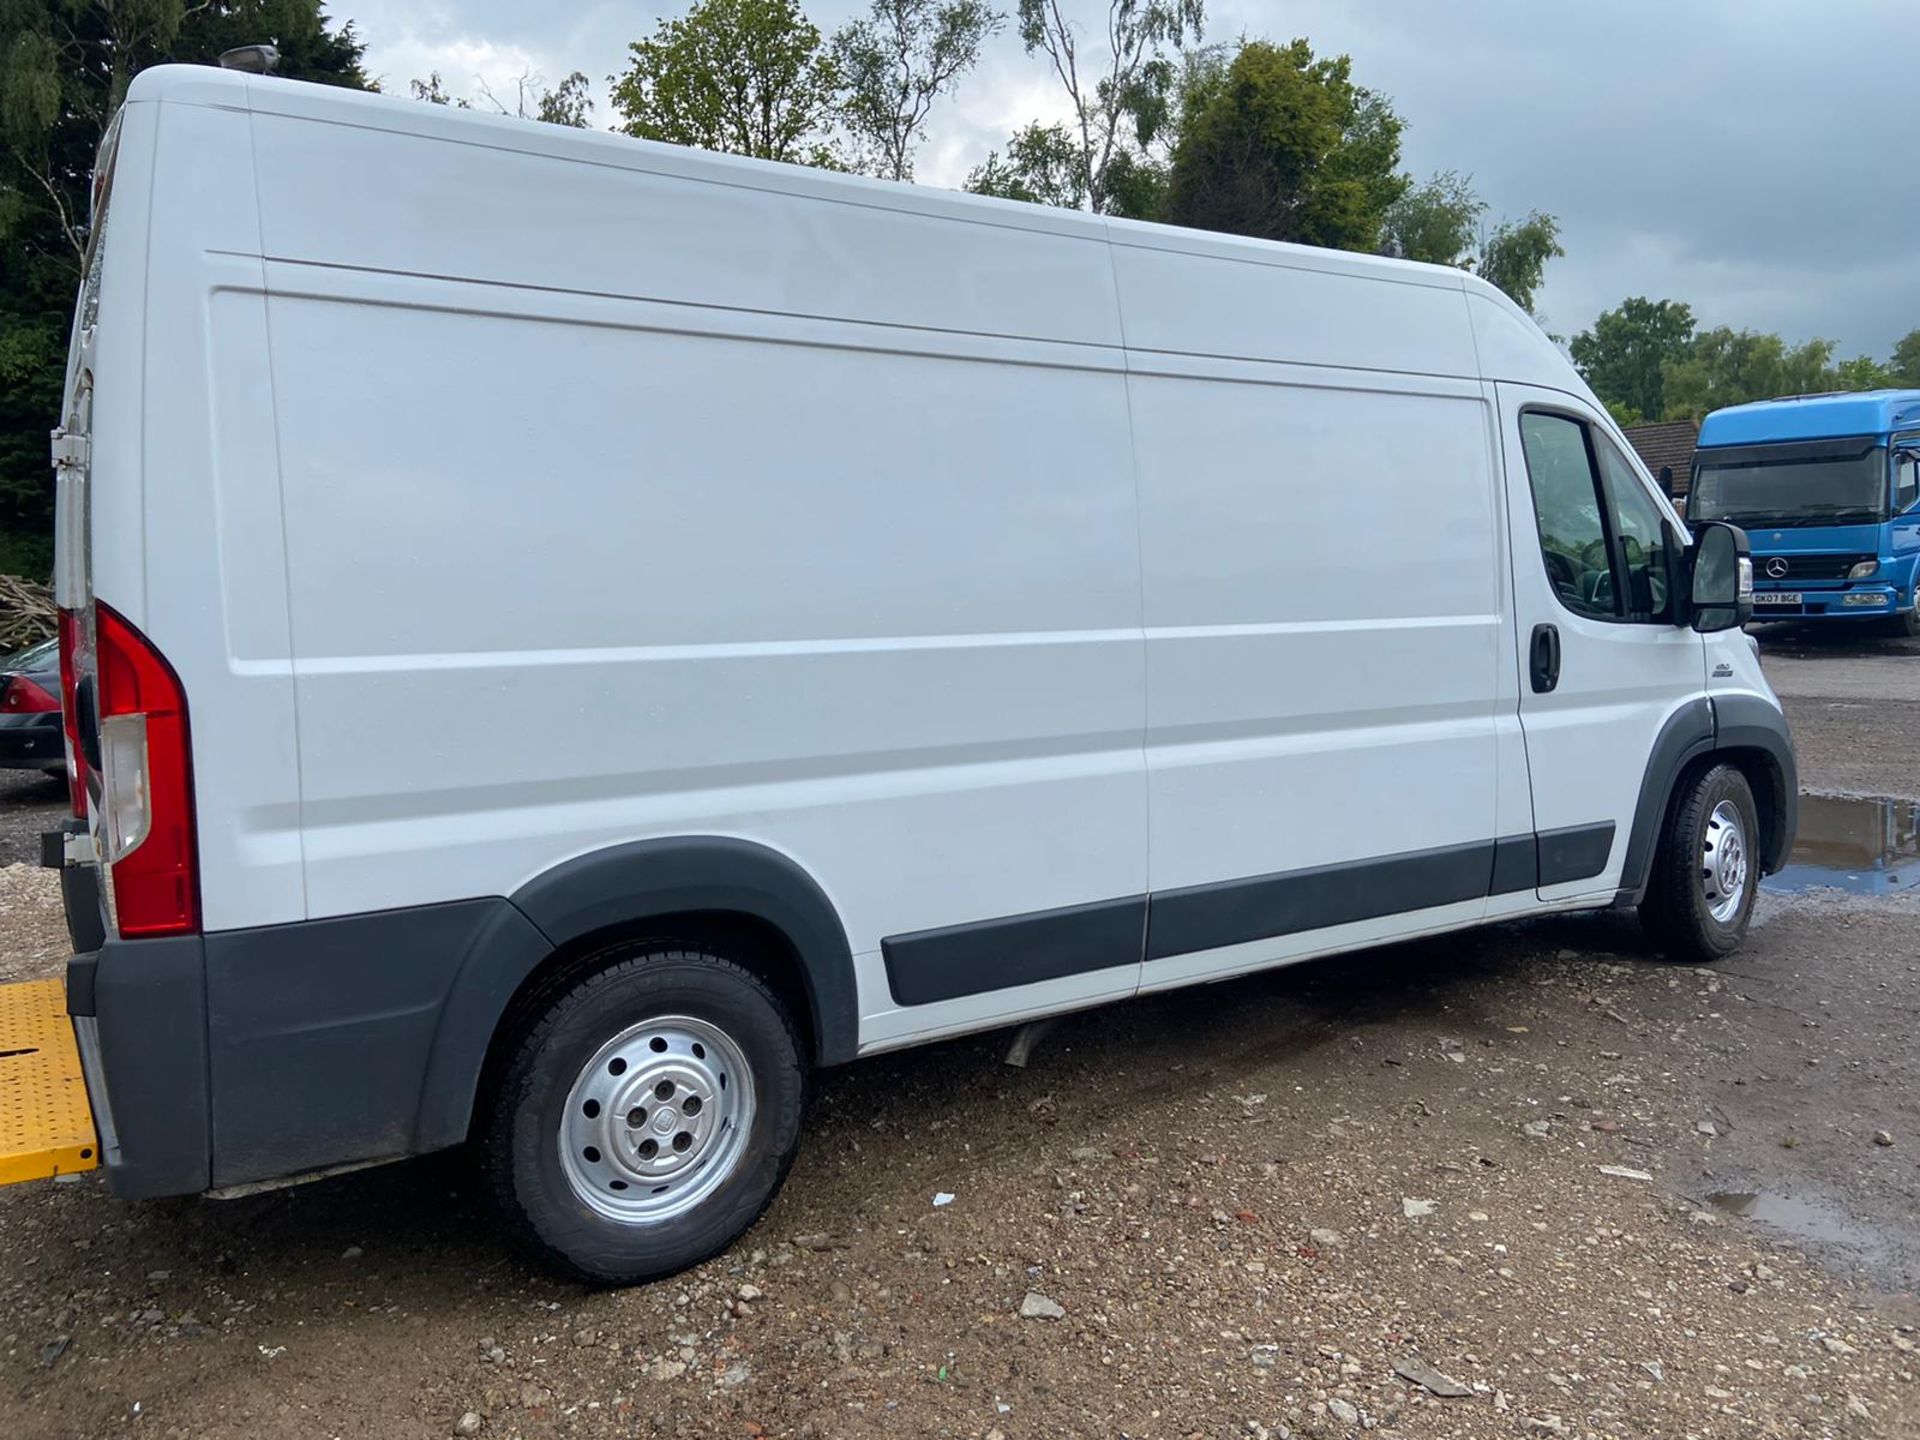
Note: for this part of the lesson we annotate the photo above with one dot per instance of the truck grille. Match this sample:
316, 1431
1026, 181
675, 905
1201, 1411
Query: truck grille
1805, 567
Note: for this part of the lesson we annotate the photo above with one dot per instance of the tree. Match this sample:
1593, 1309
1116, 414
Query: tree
1904, 368
1625, 355
568, 104
1043, 166
1286, 147
1514, 258
1862, 372
897, 61
745, 77
1437, 223
1126, 104
433, 90
1731, 367
65, 66
1440, 223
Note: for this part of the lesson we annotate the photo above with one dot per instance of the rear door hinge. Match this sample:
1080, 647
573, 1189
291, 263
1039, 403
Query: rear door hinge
70, 451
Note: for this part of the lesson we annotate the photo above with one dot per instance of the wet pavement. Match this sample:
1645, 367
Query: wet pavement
1867, 845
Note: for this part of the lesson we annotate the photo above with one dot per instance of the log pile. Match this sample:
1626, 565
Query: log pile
26, 613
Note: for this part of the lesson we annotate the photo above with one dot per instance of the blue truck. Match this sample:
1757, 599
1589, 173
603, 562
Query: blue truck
1827, 488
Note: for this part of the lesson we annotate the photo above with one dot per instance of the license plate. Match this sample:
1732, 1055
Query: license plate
1775, 597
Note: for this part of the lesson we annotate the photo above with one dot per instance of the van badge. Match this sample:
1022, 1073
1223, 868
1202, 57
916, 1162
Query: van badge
1777, 567
1723, 671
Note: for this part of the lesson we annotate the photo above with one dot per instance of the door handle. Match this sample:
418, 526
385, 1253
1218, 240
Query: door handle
1544, 658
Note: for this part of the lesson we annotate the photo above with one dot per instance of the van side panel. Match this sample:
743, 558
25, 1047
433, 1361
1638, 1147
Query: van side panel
1228, 297
571, 569
1325, 618
216, 595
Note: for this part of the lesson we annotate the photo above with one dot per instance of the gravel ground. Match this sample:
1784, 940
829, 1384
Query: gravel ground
29, 804
1599, 1195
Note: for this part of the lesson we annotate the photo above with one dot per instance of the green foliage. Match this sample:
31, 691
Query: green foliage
1437, 223
1731, 367
1119, 111
1285, 146
1904, 368
1862, 372
1514, 258
433, 90
1625, 355
1042, 166
745, 77
65, 65
569, 103
896, 62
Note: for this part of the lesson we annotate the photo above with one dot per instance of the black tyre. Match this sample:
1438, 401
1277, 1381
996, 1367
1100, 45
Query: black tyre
1907, 622
1706, 870
645, 1118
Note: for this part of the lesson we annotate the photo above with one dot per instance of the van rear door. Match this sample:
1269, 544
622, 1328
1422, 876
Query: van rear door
1603, 668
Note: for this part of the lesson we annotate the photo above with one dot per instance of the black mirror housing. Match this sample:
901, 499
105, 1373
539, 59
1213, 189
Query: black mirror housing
1721, 591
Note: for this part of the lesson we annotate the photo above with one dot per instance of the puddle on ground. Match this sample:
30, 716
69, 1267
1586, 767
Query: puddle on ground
1868, 846
1812, 1222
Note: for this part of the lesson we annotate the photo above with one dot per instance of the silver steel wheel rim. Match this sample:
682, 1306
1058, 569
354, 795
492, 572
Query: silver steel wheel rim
1724, 863
657, 1120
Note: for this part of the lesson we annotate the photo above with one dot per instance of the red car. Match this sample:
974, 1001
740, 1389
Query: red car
30, 733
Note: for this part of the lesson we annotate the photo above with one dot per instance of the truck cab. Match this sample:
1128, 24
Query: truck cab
1828, 489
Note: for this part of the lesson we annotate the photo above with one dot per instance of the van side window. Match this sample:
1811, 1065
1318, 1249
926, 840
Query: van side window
1636, 525
1906, 479
1566, 503
1600, 534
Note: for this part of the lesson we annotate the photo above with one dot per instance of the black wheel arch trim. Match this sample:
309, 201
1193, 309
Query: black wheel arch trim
1747, 722
1702, 727
644, 879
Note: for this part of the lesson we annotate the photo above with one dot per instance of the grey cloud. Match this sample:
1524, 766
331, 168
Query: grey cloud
1742, 155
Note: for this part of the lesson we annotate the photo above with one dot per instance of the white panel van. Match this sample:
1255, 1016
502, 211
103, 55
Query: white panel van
564, 635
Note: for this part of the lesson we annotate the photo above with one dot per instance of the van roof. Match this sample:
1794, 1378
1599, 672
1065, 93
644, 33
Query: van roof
1812, 417
1509, 344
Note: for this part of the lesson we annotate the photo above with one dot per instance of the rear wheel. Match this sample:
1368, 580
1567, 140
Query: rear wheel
1706, 870
644, 1121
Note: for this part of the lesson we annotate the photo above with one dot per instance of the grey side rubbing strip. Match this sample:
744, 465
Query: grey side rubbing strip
956, 960
1574, 853
970, 959
1516, 864
1206, 917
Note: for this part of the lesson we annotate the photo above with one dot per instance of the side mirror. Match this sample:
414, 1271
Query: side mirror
1666, 481
1722, 587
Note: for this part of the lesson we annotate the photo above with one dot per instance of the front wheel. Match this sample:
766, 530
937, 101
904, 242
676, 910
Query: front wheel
1907, 622
644, 1121
1706, 870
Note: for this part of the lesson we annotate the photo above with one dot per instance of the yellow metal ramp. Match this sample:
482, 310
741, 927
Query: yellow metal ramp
46, 1125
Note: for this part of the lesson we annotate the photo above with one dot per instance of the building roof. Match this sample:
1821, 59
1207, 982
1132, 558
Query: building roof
1668, 442
1813, 417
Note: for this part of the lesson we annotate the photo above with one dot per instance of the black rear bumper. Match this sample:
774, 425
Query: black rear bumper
255, 1055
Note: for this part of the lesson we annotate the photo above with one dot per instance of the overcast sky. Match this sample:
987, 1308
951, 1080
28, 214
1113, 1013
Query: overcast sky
1741, 155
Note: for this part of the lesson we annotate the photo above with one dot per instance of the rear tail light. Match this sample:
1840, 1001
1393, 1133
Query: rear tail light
146, 784
72, 633
21, 696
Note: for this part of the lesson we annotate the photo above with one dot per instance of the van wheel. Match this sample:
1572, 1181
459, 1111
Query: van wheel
1706, 871
646, 1118
1907, 622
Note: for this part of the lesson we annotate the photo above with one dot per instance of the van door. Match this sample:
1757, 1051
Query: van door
1602, 666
